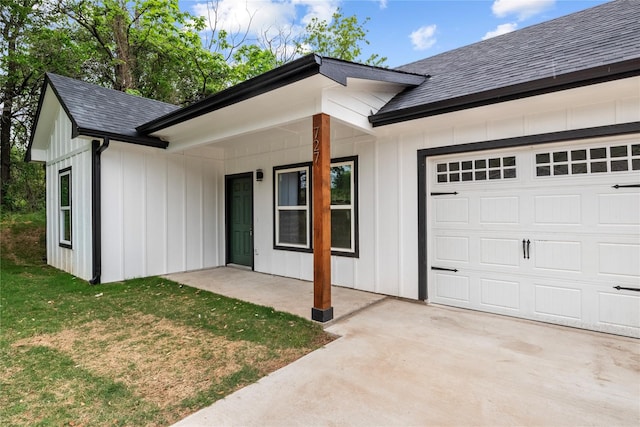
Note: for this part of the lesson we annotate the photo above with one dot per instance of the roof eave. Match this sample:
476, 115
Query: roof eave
287, 74
600, 74
148, 141
274, 79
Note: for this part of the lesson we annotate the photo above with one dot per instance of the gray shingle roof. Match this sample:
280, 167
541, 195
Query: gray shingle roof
605, 34
97, 110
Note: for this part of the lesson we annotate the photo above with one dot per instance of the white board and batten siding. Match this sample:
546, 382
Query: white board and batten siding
584, 235
384, 265
161, 212
64, 152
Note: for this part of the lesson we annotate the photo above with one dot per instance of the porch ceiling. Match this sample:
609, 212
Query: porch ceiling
280, 110
286, 109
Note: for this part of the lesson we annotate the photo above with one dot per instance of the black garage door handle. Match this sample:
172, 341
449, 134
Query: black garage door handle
626, 186
444, 269
622, 288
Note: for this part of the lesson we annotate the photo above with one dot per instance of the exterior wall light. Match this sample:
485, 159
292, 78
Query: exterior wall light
259, 175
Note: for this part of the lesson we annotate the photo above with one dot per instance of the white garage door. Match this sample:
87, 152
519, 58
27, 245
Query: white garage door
549, 233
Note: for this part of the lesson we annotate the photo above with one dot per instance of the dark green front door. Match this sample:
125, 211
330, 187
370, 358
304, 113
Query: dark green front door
240, 220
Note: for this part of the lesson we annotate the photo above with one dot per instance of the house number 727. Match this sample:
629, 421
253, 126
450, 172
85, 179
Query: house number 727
316, 144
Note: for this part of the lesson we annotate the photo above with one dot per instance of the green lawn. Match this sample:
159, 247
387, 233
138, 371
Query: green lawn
141, 352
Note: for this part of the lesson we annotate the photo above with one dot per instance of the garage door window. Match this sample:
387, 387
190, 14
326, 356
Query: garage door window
581, 161
476, 170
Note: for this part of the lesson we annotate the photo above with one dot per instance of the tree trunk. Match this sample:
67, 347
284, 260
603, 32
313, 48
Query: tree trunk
126, 61
8, 93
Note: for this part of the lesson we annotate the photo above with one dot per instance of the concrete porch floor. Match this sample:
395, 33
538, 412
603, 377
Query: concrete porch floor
399, 363
282, 293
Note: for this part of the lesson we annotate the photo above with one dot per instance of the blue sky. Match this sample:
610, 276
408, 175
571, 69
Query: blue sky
402, 30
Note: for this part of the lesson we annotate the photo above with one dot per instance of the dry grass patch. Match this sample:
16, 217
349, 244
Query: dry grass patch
163, 362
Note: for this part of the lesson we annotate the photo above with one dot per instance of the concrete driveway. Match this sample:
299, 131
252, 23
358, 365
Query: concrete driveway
400, 363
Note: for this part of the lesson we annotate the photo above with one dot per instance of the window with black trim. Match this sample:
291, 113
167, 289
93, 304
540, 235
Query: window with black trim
64, 179
292, 216
292, 205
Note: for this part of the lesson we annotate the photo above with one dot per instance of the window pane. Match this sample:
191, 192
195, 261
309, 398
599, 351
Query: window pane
292, 227
598, 167
341, 228
442, 167
341, 185
635, 150
292, 188
560, 156
560, 169
467, 176
494, 174
578, 168
618, 165
64, 190
620, 151
579, 155
481, 164
543, 171
454, 166
494, 163
480, 175
442, 178
66, 220
467, 165
509, 173
543, 158
509, 161
598, 153
635, 164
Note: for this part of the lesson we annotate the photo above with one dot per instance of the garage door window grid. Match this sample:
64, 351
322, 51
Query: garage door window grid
476, 170
584, 161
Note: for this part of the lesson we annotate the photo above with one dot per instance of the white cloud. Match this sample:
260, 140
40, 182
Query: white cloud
383, 4
259, 16
501, 29
422, 38
323, 10
523, 9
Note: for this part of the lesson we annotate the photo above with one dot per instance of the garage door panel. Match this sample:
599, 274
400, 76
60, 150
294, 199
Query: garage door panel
619, 259
451, 248
557, 255
502, 252
619, 309
452, 211
560, 301
500, 294
500, 210
560, 209
619, 209
452, 288
578, 207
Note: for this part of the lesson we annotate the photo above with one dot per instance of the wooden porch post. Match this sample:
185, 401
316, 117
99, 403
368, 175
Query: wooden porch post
322, 310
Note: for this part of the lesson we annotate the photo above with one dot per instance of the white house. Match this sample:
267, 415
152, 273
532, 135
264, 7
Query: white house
503, 176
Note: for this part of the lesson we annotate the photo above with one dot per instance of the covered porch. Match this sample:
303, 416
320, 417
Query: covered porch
282, 293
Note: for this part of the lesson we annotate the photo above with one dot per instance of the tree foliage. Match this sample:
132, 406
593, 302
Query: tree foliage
150, 48
340, 38
33, 41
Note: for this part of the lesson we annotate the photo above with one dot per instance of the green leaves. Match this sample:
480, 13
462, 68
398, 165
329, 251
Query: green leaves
341, 38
